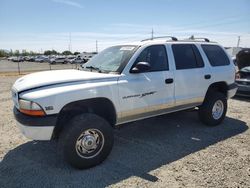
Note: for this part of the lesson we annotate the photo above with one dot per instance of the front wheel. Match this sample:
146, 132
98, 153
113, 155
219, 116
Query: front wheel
87, 141
213, 110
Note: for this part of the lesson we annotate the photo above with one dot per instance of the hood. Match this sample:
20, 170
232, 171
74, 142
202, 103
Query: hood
243, 58
45, 78
245, 69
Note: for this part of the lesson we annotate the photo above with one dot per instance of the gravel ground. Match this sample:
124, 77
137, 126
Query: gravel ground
173, 150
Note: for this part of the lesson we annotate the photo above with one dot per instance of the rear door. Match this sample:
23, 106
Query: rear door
191, 77
220, 63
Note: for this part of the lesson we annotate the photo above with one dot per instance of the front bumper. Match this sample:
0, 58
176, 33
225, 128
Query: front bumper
36, 132
35, 128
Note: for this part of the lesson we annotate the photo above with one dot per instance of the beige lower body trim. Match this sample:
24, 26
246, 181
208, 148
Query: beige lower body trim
143, 113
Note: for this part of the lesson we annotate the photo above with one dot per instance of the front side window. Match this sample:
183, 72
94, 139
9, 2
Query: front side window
156, 56
215, 55
187, 56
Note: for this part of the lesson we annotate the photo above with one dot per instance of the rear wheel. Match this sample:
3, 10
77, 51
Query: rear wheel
214, 108
87, 141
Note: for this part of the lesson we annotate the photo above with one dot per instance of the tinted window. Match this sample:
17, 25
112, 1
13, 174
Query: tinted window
187, 56
156, 56
198, 57
215, 55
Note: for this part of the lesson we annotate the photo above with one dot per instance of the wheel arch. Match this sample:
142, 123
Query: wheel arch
221, 87
102, 107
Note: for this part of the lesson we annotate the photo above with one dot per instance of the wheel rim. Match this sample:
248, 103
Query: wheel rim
218, 109
90, 143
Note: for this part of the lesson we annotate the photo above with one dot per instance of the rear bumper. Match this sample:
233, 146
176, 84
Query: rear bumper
35, 128
232, 89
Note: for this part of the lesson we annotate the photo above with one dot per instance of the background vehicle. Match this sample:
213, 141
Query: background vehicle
243, 75
10, 58
58, 60
41, 59
78, 60
18, 59
69, 59
30, 58
122, 84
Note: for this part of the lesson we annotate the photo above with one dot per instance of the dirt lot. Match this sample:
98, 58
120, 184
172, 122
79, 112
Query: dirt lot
173, 150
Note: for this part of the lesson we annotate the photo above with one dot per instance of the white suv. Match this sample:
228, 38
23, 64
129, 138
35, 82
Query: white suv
122, 84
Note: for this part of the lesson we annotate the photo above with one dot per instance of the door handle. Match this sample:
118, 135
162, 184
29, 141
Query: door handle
169, 81
207, 76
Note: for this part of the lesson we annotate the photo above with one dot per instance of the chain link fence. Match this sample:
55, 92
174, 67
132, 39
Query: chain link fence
26, 67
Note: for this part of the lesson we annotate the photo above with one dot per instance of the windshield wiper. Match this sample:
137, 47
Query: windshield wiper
93, 68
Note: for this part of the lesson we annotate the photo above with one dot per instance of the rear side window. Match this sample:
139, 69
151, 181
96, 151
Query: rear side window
156, 56
215, 55
187, 56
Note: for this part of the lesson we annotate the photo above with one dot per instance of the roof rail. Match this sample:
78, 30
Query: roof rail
172, 38
200, 38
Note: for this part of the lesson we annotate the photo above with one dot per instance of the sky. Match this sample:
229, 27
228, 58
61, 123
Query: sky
40, 25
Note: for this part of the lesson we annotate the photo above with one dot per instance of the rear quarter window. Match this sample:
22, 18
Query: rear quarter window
215, 55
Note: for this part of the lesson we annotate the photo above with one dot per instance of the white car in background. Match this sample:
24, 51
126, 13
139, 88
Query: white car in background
78, 60
56, 60
69, 59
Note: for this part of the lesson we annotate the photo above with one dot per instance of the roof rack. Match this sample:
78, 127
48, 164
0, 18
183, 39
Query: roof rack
200, 38
172, 38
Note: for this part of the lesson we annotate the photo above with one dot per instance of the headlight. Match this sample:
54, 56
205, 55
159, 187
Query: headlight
30, 108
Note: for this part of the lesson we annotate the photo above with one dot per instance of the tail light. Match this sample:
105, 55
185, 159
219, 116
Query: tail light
237, 75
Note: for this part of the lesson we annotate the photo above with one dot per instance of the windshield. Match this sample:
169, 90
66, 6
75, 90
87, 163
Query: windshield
110, 59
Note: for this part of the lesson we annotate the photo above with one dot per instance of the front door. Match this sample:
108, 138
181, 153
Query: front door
149, 93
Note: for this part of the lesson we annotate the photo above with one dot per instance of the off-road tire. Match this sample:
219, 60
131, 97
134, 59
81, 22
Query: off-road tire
205, 110
76, 126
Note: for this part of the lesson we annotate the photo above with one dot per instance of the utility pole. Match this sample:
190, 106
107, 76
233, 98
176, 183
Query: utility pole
238, 43
96, 46
152, 34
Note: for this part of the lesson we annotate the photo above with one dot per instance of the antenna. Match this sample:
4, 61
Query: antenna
238, 43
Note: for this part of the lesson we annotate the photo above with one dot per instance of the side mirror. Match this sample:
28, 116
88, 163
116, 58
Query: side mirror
141, 67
